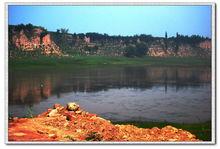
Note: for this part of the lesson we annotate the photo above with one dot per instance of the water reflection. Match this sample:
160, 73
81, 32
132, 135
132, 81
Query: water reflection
34, 87
175, 94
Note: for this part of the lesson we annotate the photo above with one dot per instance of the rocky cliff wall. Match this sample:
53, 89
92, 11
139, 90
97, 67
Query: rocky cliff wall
34, 40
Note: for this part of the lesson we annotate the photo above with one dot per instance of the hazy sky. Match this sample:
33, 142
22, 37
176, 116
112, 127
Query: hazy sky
117, 20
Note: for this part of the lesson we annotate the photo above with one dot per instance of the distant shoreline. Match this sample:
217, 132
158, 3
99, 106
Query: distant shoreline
83, 61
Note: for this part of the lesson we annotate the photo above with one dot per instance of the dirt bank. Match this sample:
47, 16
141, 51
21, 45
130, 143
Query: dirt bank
71, 123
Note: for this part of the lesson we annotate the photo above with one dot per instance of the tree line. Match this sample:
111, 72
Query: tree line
133, 46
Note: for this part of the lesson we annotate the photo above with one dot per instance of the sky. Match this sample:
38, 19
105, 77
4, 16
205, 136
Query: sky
117, 20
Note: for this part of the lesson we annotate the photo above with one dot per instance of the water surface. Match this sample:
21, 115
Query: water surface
125, 93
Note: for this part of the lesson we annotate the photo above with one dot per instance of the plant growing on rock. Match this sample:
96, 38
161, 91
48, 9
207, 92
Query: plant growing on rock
93, 136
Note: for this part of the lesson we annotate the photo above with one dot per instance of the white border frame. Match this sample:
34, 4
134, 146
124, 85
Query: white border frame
213, 71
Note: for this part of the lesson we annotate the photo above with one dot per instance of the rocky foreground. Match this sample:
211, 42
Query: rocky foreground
71, 123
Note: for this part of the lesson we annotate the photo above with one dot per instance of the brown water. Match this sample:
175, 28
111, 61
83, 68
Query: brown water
174, 94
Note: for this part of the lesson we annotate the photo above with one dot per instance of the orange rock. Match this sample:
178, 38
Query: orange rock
69, 126
46, 40
25, 43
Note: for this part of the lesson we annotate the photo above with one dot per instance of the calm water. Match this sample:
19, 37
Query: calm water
174, 94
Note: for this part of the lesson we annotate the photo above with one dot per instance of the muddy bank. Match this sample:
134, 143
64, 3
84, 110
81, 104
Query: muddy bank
71, 123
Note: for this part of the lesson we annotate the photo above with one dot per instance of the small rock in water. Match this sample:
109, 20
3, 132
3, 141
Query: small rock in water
72, 106
14, 118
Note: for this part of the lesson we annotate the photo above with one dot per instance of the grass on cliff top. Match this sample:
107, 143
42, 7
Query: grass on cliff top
201, 130
104, 60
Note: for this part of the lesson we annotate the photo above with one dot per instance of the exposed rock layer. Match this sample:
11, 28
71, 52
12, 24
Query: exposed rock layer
38, 40
32, 38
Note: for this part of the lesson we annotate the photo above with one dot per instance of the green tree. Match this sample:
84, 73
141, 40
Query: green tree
177, 43
141, 49
64, 30
130, 51
166, 42
138, 50
58, 30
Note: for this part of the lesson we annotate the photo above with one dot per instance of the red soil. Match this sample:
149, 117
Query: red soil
59, 124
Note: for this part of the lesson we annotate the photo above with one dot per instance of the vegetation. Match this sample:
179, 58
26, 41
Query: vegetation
30, 112
201, 130
93, 136
69, 137
62, 62
106, 45
138, 50
130, 46
28, 29
25, 54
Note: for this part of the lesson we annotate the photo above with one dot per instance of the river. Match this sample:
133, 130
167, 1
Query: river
117, 93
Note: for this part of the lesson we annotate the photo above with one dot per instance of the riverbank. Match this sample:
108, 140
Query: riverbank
71, 123
63, 62
201, 130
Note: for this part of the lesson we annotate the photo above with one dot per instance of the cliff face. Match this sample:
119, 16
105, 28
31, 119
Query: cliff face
29, 38
97, 44
201, 49
33, 40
